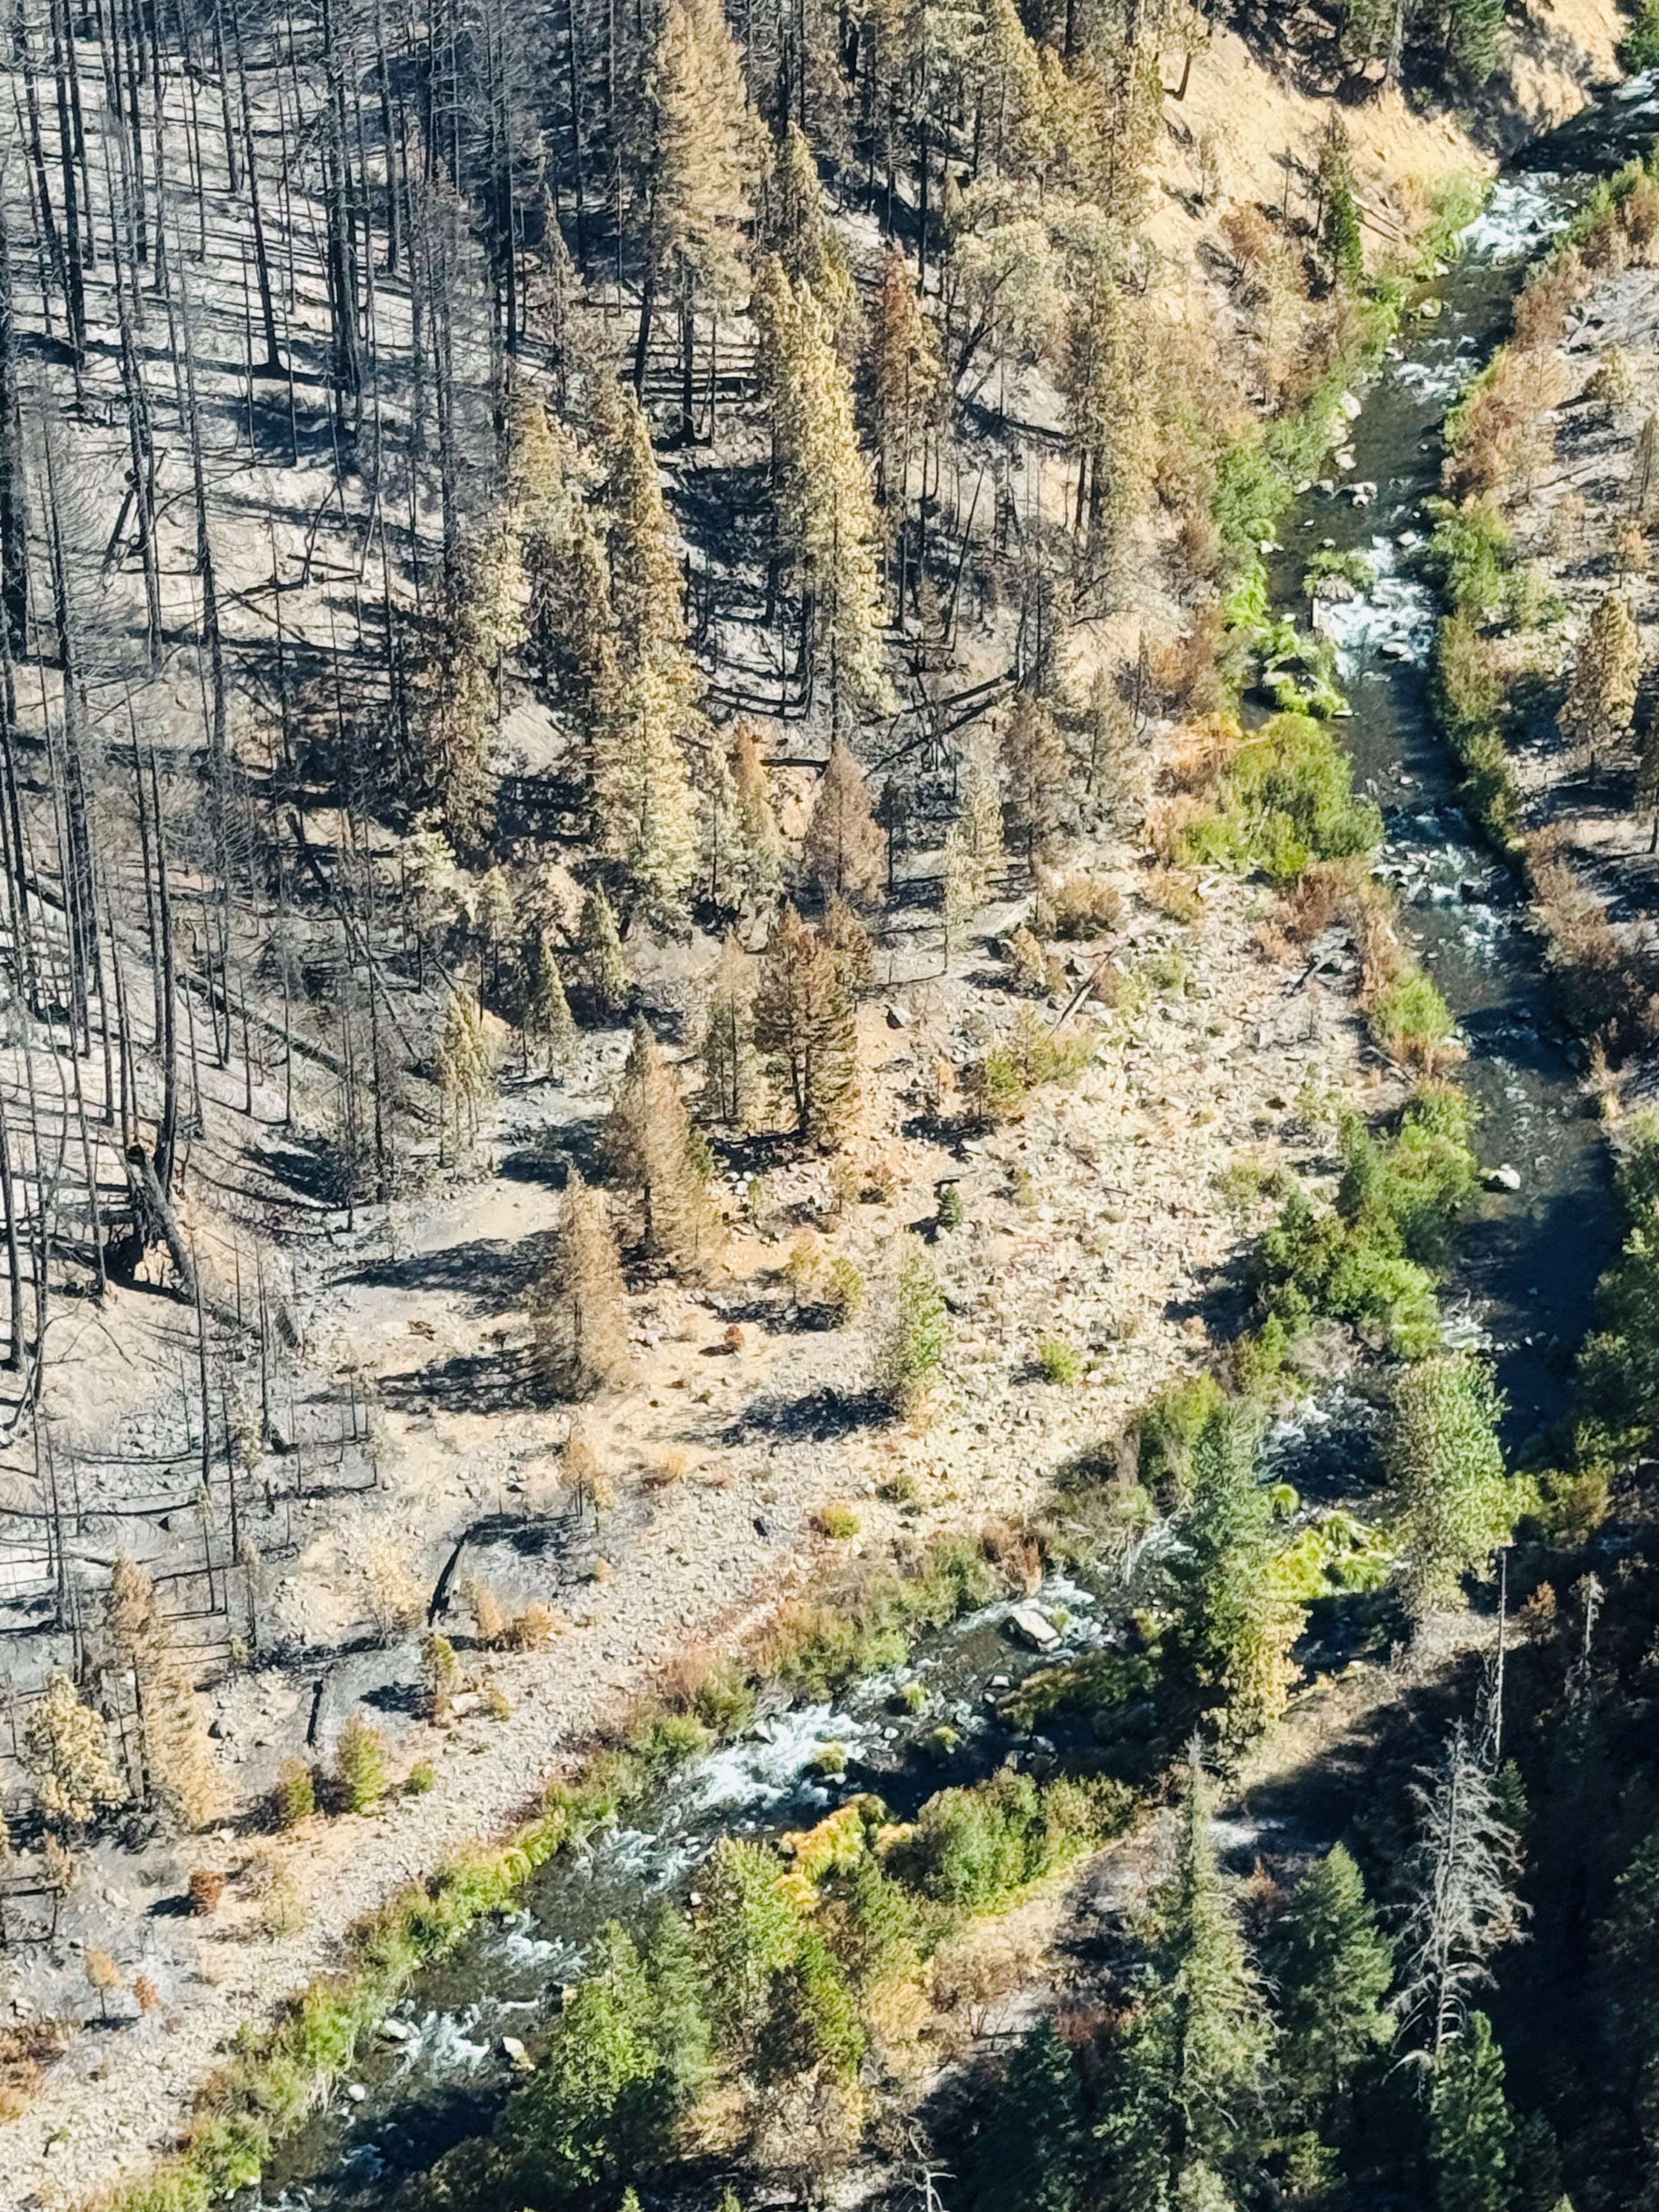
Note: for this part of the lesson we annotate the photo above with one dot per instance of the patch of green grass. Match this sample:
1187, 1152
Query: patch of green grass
1060, 1362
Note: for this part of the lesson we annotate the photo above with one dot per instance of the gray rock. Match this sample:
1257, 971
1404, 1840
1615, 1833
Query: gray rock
897, 1018
1033, 1626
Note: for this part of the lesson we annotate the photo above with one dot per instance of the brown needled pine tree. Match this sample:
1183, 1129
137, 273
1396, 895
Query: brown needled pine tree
1601, 700
581, 1324
805, 1024
843, 851
732, 1085
650, 1146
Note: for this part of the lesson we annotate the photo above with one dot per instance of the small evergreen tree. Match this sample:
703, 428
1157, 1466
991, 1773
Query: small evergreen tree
801, 230
1473, 30
759, 840
1236, 1619
66, 1748
806, 1027
581, 1333
360, 1766
731, 1070
906, 371
1471, 2128
848, 943
465, 1071
1034, 767
914, 1332
826, 512
548, 1022
642, 793
1339, 206
1331, 1966
599, 949
1447, 1467
1178, 2103
1033, 2150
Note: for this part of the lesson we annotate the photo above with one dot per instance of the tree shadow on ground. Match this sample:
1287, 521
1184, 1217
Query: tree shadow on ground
821, 1416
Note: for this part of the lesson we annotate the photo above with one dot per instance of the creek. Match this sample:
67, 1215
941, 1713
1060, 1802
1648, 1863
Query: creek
1526, 1268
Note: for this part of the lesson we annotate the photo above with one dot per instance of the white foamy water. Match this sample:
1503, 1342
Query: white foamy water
442, 2044
1442, 372
759, 1774
1521, 213
1396, 611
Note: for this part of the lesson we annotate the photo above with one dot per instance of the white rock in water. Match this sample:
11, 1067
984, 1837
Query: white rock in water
1351, 405
396, 2031
1505, 1178
1430, 310
357, 2091
1033, 1626
513, 2050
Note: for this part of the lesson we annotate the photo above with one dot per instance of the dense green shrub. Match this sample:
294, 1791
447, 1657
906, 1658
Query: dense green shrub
1468, 555
974, 1849
1638, 49
1167, 1433
1370, 1259
1284, 799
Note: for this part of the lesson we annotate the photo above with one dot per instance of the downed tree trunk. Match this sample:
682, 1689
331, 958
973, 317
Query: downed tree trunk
154, 1222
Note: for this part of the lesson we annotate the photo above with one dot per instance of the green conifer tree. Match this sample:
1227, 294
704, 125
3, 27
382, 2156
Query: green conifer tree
1447, 1467
731, 1068
643, 794
1033, 2153
759, 839
1180, 2101
1331, 1968
548, 1023
1471, 2128
913, 1331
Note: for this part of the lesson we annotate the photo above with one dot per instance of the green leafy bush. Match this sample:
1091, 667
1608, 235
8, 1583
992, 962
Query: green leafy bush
1370, 1259
1285, 798
1638, 49
974, 1849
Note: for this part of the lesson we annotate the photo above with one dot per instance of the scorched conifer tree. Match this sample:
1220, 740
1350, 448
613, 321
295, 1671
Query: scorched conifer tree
651, 1148
581, 1330
805, 1026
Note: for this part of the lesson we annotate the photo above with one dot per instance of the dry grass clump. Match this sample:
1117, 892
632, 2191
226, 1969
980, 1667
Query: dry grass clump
1608, 981
1014, 1549
669, 1464
1172, 891
1085, 906
27, 2048
1201, 750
